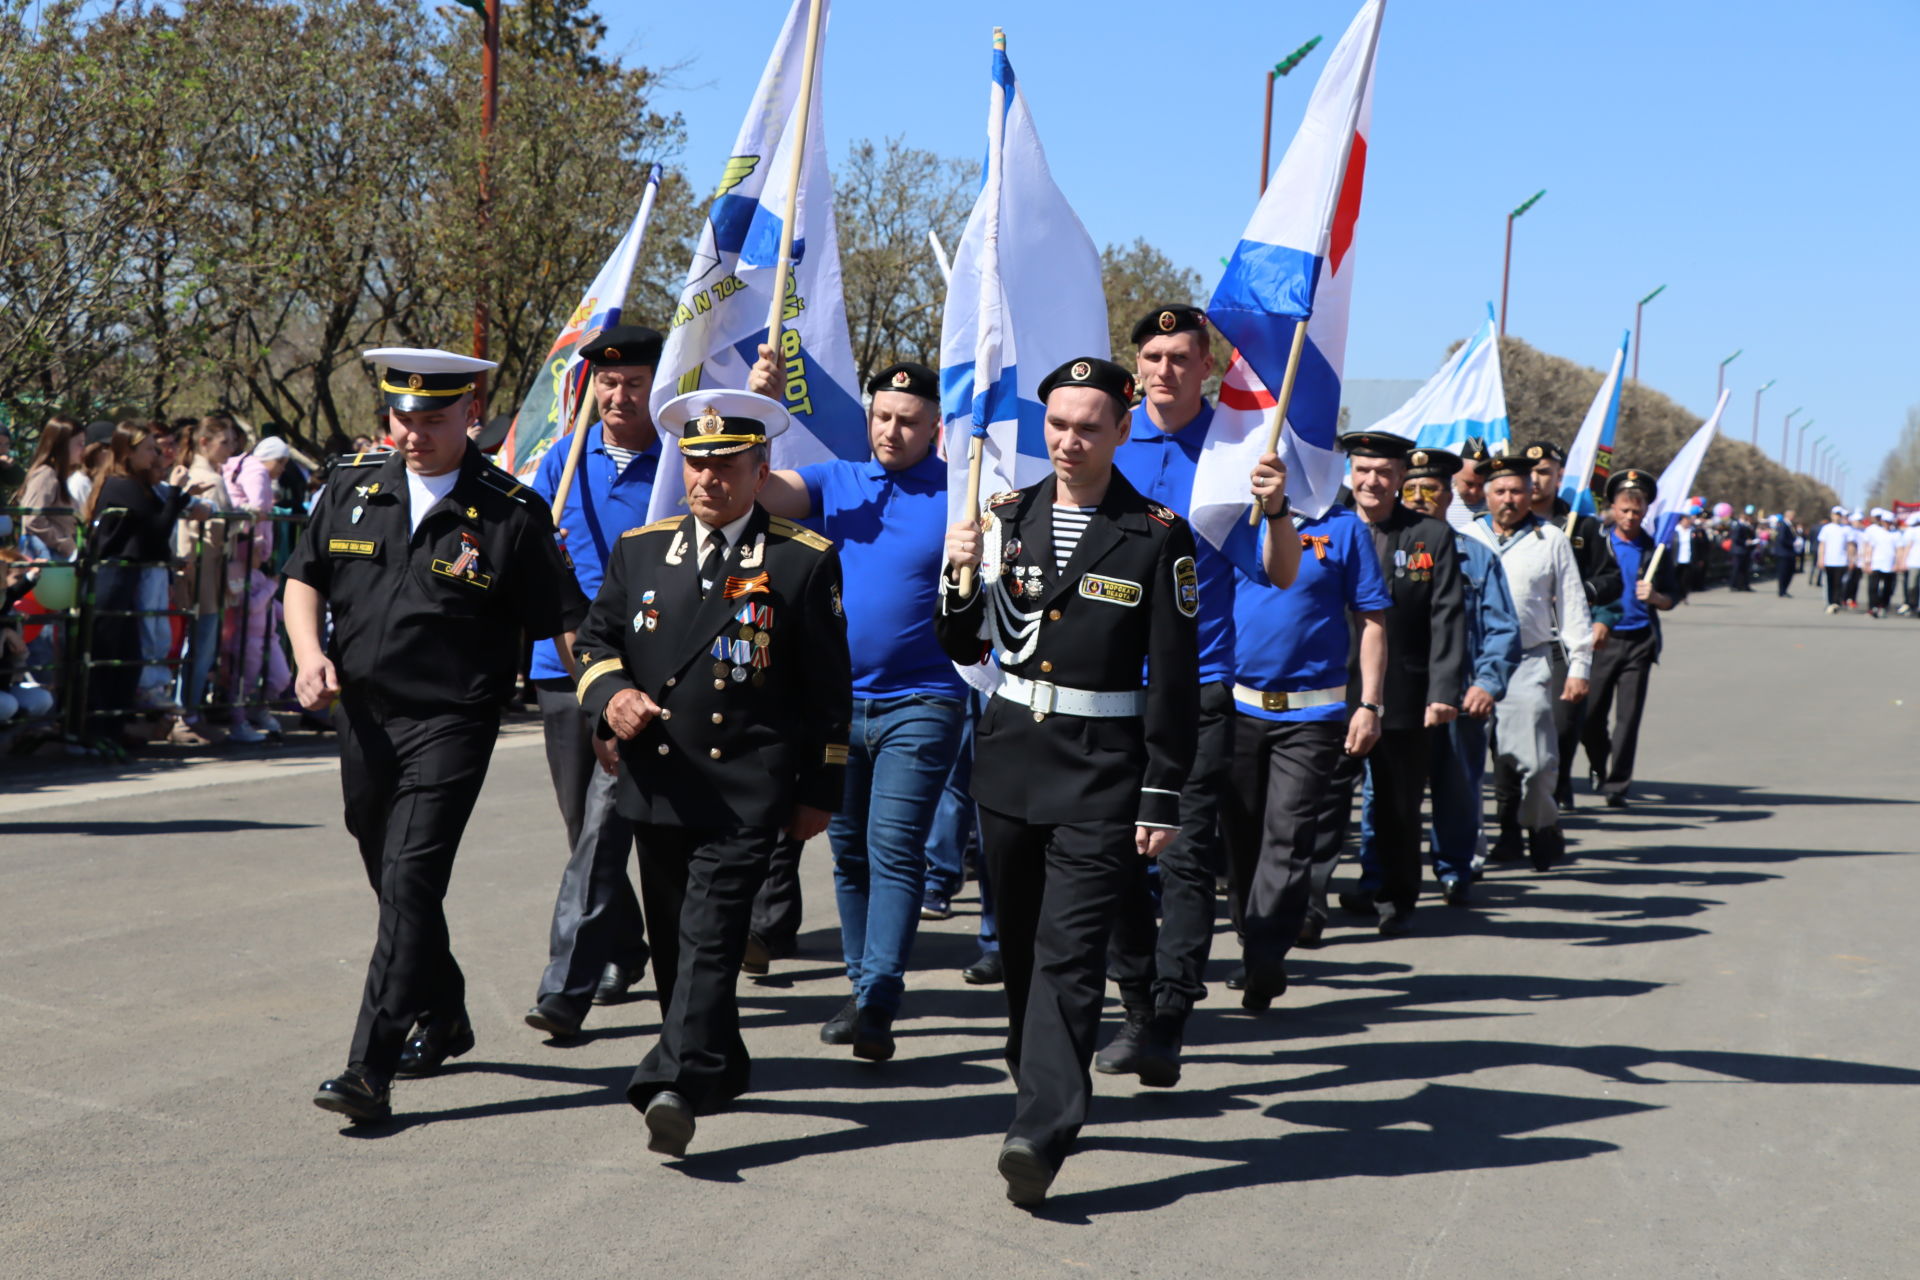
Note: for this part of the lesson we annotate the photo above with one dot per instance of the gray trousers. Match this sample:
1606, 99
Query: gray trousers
1526, 743
596, 915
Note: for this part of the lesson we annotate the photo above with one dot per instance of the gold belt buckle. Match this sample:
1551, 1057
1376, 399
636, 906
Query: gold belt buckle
1273, 701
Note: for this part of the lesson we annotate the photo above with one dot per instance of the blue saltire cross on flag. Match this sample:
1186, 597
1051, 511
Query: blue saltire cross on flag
1590, 456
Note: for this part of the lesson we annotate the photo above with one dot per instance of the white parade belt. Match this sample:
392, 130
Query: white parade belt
1044, 696
1288, 701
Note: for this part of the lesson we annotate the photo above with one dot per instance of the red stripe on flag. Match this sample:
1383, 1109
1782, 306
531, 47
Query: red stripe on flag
1347, 212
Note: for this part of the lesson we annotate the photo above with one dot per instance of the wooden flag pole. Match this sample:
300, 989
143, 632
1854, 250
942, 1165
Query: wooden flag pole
1654, 564
783, 265
575, 446
974, 452
977, 440
1285, 399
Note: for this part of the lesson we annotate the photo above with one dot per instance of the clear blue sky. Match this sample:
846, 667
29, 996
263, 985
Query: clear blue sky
1757, 158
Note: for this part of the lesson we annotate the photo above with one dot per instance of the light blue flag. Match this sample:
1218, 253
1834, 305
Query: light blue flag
1590, 456
1024, 297
1466, 400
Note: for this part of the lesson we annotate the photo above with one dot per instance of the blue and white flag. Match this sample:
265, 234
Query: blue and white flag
1590, 456
721, 319
1677, 481
1464, 401
1023, 298
1294, 261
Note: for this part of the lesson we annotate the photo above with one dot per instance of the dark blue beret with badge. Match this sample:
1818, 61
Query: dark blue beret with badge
624, 346
1375, 444
1431, 464
908, 376
1546, 449
1168, 319
1090, 371
1632, 478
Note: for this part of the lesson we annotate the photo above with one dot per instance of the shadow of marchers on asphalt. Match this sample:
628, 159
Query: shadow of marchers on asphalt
1537, 892
1634, 877
600, 1087
1681, 854
170, 827
1716, 796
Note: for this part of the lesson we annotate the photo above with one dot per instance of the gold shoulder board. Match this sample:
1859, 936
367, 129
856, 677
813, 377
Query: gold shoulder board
799, 533
658, 526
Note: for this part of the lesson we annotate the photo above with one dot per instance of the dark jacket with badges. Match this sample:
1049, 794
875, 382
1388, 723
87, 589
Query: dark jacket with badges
433, 620
754, 683
1128, 599
1599, 572
1427, 657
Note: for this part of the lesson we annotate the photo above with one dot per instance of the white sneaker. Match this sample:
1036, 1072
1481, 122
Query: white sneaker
264, 720
245, 733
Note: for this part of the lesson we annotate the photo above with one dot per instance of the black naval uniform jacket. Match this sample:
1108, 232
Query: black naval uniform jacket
1127, 601
1599, 571
432, 620
1426, 627
754, 682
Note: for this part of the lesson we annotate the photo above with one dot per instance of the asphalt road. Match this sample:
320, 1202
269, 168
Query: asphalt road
1689, 1052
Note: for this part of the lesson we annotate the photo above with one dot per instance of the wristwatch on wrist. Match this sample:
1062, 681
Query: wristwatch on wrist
1286, 509
1374, 707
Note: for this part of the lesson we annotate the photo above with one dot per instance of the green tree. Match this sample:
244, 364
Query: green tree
1899, 476
1137, 278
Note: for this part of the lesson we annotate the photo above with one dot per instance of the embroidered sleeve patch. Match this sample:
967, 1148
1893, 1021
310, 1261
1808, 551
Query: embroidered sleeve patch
350, 547
1112, 590
1186, 586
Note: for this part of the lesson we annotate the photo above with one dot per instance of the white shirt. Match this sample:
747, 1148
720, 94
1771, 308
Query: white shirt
1834, 539
1683, 546
1881, 543
423, 492
731, 531
1545, 580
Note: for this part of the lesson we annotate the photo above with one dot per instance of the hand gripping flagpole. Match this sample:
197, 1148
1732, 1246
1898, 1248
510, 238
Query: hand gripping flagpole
1280, 404
989, 279
577, 446
783, 265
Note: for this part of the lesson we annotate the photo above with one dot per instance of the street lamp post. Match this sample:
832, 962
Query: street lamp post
1280, 68
1758, 392
1506, 270
1722, 384
1800, 447
489, 107
1637, 308
1783, 430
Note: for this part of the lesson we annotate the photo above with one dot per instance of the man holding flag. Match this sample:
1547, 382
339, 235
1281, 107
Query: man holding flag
1623, 664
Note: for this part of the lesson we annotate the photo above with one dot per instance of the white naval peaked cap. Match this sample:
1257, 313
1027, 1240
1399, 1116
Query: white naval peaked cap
721, 421
415, 379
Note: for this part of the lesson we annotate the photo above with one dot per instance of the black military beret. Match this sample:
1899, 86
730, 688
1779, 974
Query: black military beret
1632, 478
1475, 450
914, 379
1544, 449
1431, 464
1173, 318
1508, 464
1375, 444
624, 346
1090, 371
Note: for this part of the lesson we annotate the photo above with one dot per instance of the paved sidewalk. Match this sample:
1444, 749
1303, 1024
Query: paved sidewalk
1688, 1053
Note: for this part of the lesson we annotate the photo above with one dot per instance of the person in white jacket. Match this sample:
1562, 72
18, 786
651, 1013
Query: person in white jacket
1552, 606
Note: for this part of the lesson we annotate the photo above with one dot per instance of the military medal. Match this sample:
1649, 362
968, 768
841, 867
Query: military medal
739, 675
357, 513
469, 556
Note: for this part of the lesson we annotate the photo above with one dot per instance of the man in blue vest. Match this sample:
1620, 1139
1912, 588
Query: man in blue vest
597, 945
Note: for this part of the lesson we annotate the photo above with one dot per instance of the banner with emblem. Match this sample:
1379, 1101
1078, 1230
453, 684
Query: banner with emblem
1590, 456
721, 317
1293, 262
1024, 296
1465, 400
546, 414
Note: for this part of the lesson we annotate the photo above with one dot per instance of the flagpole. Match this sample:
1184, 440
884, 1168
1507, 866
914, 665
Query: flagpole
989, 277
1282, 402
783, 265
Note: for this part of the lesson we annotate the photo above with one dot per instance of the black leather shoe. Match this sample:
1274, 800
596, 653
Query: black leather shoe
1396, 923
758, 958
1616, 801
1455, 890
1158, 1061
357, 1094
1360, 904
1545, 847
839, 1028
1261, 992
988, 971
669, 1123
433, 1043
1237, 980
1027, 1173
1311, 936
615, 983
557, 1016
1121, 1057
1508, 847
873, 1034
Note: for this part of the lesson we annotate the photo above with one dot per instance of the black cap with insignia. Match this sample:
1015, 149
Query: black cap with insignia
1431, 464
1632, 478
1544, 449
624, 346
1474, 449
1090, 371
914, 379
1375, 444
1508, 464
1173, 318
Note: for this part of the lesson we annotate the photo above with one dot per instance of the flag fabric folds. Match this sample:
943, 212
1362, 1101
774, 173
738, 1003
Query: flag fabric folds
1590, 456
721, 316
1465, 400
1676, 482
1294, 261
545, 415
1024, 296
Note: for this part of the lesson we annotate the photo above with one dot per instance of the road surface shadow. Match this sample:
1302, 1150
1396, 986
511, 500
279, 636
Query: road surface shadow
171, 827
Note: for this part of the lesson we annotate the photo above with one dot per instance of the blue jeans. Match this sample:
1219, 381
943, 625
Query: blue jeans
899, 754
203, 642
1455, 842
954, 822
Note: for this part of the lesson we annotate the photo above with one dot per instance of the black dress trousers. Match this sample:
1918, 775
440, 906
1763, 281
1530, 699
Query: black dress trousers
1398, 765
778, 905
1621, 671
1057, 889
697, 885
410, 783
1159, 965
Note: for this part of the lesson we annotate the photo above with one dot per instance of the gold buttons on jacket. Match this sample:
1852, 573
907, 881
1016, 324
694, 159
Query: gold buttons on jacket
714, 752
717, 717
1053, 615
1045, 665
666, 713
672, 681
719, 684
663, 748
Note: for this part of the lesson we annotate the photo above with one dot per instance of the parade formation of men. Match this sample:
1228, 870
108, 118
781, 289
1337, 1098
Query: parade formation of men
784, 660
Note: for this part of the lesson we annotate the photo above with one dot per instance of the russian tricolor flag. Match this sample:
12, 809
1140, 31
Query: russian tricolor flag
1294, 262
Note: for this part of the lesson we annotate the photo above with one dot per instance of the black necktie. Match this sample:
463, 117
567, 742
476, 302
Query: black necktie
710, 563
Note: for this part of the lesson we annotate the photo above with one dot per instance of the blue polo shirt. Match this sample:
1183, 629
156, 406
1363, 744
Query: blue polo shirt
1161, 467
1632, 558
891, 531
603, 503
1296, 640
